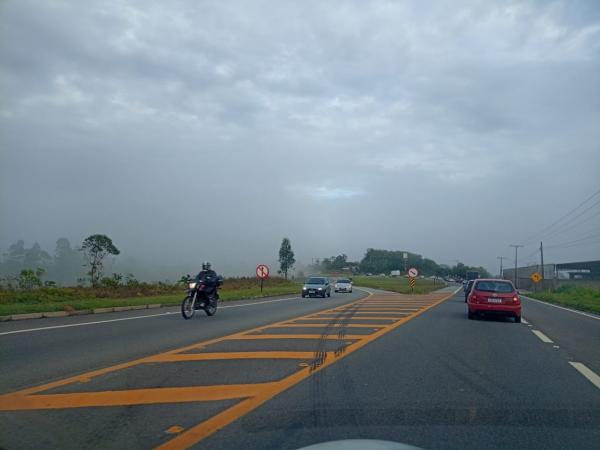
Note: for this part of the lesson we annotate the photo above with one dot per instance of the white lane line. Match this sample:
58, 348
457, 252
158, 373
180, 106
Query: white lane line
260, 303
140, 317
587, 372
53, 327
581, 313
524, 321
542, 336
85, 323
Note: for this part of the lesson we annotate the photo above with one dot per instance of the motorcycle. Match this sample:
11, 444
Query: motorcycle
199, 297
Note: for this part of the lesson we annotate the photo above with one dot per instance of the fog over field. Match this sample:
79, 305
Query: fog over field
188, 131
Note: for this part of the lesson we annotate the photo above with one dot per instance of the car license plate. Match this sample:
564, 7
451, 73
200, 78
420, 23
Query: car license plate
494, 300
311, 291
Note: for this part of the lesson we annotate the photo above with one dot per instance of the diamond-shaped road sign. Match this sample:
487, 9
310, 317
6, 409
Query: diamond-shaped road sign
536, 277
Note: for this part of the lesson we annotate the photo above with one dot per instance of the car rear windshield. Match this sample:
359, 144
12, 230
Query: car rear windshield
343, 281
502, 287
316, 281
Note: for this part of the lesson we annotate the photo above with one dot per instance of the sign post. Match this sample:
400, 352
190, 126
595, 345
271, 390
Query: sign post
262, 272
412, 282
413, 273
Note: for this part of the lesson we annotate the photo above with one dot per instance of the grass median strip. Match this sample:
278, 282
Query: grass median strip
72, 300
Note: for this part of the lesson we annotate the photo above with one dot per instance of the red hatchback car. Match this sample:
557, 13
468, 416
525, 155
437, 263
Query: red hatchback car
491, 297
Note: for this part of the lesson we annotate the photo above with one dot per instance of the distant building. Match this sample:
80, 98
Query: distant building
555, 274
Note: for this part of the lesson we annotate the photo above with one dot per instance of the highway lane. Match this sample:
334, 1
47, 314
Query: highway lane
576, 333
402, 368
179, 397
38, 356
438, 382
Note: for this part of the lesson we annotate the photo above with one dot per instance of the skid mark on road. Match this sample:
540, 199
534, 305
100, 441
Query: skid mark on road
332, 340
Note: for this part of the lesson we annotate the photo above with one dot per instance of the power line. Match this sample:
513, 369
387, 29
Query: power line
587, 219
549, 227
591, 236
560, 229
532, 253
580, 244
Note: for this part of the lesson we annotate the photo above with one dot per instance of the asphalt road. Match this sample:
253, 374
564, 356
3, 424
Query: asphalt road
576, 333
34, 357
409, 369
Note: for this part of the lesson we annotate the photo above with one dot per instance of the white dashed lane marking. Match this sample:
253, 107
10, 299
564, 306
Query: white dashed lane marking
587, 372
542, 336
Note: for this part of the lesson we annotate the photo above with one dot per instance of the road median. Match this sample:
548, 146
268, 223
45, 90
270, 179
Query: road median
19, 310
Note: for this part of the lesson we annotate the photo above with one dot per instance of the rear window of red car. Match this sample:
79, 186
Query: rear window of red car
502, 287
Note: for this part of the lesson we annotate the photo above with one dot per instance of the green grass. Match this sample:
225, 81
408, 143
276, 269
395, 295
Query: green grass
398, 284
582, 298
68, 299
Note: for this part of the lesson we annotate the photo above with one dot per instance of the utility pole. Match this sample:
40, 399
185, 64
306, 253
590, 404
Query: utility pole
542, 258
516, 246
501, 269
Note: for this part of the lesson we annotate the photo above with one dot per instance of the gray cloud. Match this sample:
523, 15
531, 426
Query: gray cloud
190, 130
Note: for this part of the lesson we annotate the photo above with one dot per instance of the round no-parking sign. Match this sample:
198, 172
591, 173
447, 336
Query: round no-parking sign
262, 271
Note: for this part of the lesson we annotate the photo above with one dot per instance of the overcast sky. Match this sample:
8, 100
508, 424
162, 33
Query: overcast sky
211, 130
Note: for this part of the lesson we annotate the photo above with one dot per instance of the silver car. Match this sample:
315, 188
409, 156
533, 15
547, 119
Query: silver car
316, 287
343, 285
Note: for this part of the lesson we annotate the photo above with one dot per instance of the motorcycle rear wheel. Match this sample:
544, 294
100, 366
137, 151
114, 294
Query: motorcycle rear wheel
187, 308
211, 308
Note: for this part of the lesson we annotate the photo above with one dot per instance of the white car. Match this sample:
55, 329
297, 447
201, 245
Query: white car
343, 285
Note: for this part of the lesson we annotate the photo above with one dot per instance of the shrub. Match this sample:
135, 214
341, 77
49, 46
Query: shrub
112, 282
131, 281
29, 279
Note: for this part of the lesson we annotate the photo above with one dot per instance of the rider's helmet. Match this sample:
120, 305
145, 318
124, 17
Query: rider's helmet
205, 265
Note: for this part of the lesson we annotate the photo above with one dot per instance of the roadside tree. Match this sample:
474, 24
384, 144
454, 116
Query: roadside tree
286, 257
67, 262
95, 248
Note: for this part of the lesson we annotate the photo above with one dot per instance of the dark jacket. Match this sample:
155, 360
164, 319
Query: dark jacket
208, 277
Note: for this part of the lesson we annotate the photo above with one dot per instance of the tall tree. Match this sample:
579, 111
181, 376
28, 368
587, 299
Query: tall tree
95, 248
36, 257
286, 257
67, 262
383, 261
13, 258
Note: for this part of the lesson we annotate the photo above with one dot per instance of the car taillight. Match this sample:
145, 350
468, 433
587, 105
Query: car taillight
515, 299
473, 298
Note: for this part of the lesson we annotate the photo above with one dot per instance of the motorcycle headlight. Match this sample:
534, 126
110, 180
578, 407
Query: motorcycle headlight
192, 285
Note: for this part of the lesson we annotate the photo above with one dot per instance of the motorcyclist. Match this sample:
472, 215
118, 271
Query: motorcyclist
209, 278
